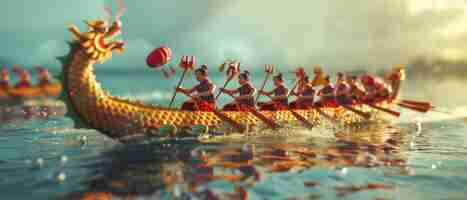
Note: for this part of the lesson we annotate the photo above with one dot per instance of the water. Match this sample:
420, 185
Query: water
416, 157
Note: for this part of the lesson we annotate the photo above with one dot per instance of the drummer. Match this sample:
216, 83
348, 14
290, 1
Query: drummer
305, 95
245, 99
203, 99
278, 96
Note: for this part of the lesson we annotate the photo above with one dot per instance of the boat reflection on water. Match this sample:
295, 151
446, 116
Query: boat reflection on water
21, 110
24, 101
183, 171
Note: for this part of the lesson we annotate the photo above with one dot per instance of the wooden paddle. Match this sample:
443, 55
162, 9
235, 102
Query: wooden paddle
300, 73
422, 109
232, 71
273, 125
269, 70
386, 110
322, 113
358, 112
301, 118
293, 88
421, 106
241, 128
418, 103
186, 64
256, 113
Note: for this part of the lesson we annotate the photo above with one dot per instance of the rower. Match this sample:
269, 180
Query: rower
43, 76
279, 100
305, 95
356, 90
326, 94
319, 77
24, 79
203, 100
394, 78
4, 78
342, 90
376, 89
245, 99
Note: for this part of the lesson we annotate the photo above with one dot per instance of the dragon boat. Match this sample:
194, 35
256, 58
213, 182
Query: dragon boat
31, 102
91, 106
51, 90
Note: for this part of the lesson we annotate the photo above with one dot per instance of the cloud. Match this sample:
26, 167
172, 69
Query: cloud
24, 15
336, 34
44, 53
339, 35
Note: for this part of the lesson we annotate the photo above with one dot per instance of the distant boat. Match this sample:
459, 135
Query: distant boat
51, 90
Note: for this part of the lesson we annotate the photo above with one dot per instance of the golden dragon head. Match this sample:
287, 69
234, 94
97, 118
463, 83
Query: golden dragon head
98, 42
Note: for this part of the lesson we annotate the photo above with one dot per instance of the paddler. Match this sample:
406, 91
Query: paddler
394, 78
278, 95
203, 100
342, 90
24, 78
376, 89
319, 78
4, 78
43, 76
356, 90
245, 99
305, 94
327, 94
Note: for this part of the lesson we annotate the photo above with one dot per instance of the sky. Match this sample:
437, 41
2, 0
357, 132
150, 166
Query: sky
336, 34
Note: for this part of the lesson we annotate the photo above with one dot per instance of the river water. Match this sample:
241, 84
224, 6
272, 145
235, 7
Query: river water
419, 156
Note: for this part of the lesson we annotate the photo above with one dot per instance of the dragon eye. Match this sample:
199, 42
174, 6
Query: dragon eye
101, 30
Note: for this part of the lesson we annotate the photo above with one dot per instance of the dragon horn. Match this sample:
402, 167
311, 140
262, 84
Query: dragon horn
121, 9
108, 11
222, 67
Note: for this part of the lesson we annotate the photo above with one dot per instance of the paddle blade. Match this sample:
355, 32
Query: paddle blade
417, 103
415, 108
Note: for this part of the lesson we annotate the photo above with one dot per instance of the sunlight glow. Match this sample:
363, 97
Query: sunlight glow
418, 6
